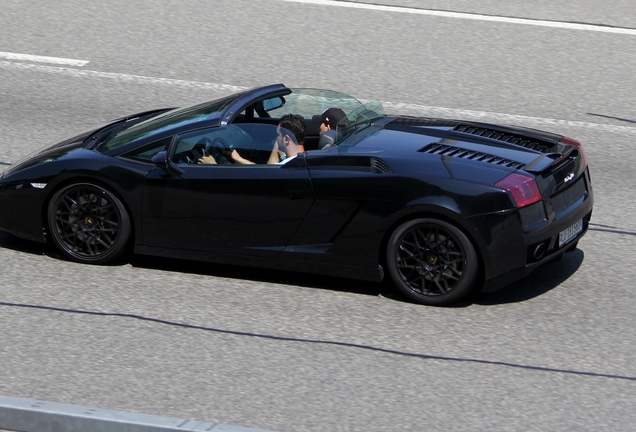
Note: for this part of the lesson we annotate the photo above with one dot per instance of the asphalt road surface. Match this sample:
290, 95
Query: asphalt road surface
292, 352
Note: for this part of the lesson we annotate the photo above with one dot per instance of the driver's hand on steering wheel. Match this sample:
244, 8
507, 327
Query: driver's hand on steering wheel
206, 160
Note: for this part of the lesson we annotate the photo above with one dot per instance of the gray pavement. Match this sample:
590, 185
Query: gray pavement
289, 352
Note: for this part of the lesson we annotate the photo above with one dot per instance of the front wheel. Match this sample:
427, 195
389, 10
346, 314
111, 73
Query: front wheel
432, 262
88, 224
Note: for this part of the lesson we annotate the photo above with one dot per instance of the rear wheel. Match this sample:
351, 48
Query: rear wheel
431, 261
88, 223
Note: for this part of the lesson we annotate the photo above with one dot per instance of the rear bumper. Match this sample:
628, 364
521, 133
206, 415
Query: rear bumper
508, 278
553, 253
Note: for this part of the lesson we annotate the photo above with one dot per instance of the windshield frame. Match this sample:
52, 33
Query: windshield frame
171, 120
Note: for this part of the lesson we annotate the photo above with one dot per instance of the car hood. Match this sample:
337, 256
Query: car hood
87, 140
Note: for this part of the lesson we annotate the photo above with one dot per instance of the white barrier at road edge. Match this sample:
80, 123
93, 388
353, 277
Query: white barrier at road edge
29, 415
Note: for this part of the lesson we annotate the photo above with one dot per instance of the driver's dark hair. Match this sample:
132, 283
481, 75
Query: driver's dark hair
295, 124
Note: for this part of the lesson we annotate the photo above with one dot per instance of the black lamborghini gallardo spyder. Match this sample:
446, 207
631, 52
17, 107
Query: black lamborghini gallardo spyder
439, 207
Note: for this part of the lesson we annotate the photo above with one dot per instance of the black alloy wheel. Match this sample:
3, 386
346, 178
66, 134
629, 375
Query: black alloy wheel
432, 262
88, 224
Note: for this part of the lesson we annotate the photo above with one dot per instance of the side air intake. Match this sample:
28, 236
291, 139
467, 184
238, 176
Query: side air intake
378, 166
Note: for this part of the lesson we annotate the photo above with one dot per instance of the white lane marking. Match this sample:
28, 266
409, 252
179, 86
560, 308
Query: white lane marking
470, 16
121, 77
391, 107
492, 117
43, 59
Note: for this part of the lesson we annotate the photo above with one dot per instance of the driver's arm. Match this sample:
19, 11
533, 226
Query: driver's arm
236, 157
274, 156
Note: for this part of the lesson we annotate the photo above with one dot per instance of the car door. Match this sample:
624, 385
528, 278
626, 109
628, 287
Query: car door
226, 208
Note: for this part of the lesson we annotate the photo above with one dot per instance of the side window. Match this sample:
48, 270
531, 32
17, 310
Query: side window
145, 153
263, 136
203, 146
213, 146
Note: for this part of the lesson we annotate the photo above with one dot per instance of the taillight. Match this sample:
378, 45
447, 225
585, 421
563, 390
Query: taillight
524, 189
575, 143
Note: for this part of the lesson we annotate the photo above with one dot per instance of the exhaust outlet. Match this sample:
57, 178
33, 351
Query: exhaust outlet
539, 251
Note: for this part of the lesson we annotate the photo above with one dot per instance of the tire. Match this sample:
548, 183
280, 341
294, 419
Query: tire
432, 262
88, 224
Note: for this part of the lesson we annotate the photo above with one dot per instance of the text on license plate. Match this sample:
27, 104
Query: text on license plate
570, 232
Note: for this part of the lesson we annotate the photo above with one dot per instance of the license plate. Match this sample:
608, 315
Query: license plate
569, 233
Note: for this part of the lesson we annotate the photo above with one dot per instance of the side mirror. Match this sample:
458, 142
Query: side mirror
162, 161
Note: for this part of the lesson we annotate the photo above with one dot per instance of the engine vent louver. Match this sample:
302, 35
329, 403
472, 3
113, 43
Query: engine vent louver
519, 140
423, 121
378, 166
454, 151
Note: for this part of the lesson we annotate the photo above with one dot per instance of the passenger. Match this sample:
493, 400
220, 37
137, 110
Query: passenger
328, 123
289, 141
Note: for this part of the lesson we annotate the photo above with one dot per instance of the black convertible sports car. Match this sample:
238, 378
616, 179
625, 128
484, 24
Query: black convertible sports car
442, 206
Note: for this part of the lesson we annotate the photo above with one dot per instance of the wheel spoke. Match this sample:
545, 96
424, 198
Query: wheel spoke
440, 289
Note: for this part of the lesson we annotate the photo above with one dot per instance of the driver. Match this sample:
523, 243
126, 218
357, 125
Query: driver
289, 142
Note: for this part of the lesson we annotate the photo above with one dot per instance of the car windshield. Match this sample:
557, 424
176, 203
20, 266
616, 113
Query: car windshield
169, 120
358, 119
304, 101
309, 102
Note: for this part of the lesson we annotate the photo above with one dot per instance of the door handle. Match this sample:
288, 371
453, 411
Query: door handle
300, 193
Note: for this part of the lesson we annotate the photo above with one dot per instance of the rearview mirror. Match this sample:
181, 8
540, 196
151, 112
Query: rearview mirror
273, 103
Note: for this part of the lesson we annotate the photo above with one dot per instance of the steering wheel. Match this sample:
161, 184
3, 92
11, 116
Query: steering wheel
199, 150
221, 151
218, 149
